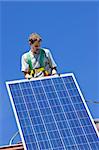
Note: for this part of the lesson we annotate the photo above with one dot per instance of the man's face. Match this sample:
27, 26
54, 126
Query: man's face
35, 47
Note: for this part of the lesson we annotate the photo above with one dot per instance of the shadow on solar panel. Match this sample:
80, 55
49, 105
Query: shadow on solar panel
51, 114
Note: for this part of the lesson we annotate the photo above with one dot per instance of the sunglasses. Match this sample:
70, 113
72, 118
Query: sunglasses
33, 41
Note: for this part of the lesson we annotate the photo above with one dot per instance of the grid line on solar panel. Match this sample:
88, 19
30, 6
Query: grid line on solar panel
75, 126
29, 117
76, 113
43, 119
64, 114
53, 116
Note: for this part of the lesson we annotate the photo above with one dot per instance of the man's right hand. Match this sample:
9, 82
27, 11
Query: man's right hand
27, 76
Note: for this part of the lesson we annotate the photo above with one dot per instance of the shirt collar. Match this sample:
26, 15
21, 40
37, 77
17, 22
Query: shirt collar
33, 55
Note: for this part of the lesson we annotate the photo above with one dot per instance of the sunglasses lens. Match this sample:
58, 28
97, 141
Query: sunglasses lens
32, 41
40, 40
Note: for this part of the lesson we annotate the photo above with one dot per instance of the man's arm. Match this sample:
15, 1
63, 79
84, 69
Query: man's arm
25, 67
52, 63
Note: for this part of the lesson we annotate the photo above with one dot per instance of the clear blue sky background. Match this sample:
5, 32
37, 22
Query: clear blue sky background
69, 29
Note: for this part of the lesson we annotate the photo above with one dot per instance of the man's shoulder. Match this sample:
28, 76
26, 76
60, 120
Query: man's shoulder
25, 54
46, 50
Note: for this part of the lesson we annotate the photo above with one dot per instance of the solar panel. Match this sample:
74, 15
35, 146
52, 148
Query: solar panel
51, 114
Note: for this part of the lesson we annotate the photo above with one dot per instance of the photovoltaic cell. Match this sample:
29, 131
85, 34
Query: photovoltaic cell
51, 114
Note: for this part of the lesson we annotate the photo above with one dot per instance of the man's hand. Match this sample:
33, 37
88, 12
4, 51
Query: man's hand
27, 76
54, 72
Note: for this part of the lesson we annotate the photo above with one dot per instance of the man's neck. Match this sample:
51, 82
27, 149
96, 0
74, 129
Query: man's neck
35, 52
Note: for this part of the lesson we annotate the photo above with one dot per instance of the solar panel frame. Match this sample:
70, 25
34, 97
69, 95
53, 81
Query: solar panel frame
43, 78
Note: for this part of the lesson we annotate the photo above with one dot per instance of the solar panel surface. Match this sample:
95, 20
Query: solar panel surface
52, 115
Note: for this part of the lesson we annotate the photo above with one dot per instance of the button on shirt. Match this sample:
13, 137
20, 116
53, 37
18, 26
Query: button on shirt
35, 59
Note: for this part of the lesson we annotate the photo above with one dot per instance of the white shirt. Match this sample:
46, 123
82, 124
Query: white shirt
48, 60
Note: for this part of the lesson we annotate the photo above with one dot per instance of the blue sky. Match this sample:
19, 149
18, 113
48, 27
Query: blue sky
69, 29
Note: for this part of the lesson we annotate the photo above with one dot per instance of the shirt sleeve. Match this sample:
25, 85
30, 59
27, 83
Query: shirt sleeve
51, 60
24, 65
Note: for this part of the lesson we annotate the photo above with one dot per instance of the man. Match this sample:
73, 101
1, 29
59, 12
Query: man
38, 61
